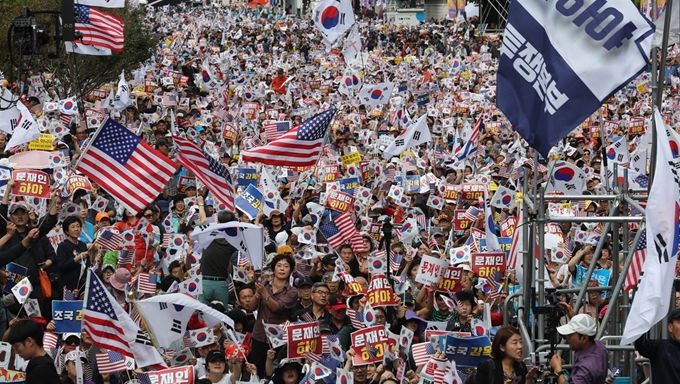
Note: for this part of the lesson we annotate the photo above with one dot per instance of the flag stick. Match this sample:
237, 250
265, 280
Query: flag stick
146, 327
89, 144
657, 89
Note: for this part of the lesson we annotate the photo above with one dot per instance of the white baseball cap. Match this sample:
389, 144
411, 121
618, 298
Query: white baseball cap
582, 324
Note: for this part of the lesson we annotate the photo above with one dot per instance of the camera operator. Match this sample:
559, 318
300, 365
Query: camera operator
590, 359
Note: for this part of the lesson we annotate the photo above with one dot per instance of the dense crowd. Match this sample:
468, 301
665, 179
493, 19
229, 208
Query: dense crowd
395, 300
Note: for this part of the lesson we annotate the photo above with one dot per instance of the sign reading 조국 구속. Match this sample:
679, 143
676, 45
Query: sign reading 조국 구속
561, 59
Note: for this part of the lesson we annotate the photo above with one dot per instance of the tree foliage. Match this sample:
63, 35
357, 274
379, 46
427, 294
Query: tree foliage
77, 74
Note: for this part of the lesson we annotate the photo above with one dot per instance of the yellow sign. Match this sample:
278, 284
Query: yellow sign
43, 142
351, 158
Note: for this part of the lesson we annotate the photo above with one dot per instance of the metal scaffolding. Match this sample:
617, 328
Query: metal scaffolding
619, 197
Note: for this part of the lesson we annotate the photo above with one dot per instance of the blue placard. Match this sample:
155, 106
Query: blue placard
423, 99
250, 202
67, 316
466, 351
15, 273
403, 86
602, 277
349, 184
303, 112
246, 176
413, 183
504, 242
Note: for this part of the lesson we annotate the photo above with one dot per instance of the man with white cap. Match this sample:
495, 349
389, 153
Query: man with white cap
590, 359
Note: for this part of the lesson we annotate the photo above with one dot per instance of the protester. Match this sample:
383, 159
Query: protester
661, 353
26, 338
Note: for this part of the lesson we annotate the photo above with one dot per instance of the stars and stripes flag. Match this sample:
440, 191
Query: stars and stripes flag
635, 269
125, 256
209, 171
99, 29
147, 282
68, 295
108, 239
356, 318
110, 327
299, 147
275, 129
110, 362
395, 260
471, 213
422, 352
50, 340
471, 147
127, 167
340, 230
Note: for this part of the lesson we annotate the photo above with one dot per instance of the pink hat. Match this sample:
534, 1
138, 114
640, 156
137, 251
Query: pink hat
120, 278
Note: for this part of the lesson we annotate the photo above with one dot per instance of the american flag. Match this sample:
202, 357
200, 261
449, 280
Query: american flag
68, 295
471, 243
340, 230
471, 213
126, 166
143, 378
635, 269
505, 172
209, 171
147, 282
65, 120
243, 260
99, 29
299, 146
50, 340
275, 129
125, 256
422, 352
356, 318
108, 239
431, 242
110, 362
395, 260
495, 291
471, 147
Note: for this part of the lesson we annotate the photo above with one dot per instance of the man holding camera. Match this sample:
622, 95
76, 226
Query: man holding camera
590, 359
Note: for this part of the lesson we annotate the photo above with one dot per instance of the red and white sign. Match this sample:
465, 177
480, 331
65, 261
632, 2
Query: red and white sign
178, 375
369, 345
380, 293
486, 264
303, 338
31, 183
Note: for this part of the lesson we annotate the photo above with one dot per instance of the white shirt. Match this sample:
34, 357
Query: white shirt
226, 379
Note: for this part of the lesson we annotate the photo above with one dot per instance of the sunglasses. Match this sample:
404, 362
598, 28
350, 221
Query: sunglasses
72, 342
149, 216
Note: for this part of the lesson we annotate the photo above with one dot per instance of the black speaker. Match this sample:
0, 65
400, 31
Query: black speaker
68, 22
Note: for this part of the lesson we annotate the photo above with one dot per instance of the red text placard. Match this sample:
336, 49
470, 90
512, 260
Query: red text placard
303, 338
31, 183
486, 264
369, 345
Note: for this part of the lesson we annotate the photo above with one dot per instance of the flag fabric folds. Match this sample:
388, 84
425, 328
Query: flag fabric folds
652, 301
126, 166
111, 327
209, 171
299, 147
99, 29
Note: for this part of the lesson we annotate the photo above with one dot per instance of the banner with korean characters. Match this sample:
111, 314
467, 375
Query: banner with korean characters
67, 316
450, 281
177, 375
380, 293
431, 270
31, 183
466, 351
303, 338
460, 223
486, 264
340, 201
369, 345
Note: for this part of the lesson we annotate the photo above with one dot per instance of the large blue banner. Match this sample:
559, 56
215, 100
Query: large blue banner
466, 351
15, 273
67, 316
250, 201
562, 59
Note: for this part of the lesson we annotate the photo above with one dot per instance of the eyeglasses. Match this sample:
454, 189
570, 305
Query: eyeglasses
323, 293
150, 215
380, 317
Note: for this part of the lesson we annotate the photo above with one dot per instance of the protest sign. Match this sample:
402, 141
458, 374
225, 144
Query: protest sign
504, 242
250, 201
466, 351
67, 316
246, 176
451, 193
177, 375
472, 191
486, 264
339, 201
42, 143
351, 158
602, 276
31, 183
369, 345
450, 281
431, 270
76, 182
460, 223
303, 338
507, 226
380, 293
636, 126
15, 273
331, 173
348, 185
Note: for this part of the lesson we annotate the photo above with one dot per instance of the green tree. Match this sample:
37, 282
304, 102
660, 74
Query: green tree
77, 74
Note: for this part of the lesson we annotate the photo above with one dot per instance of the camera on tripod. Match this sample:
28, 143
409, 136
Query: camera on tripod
553, 311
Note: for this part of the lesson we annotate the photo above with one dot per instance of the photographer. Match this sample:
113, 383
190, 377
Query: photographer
590, 359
